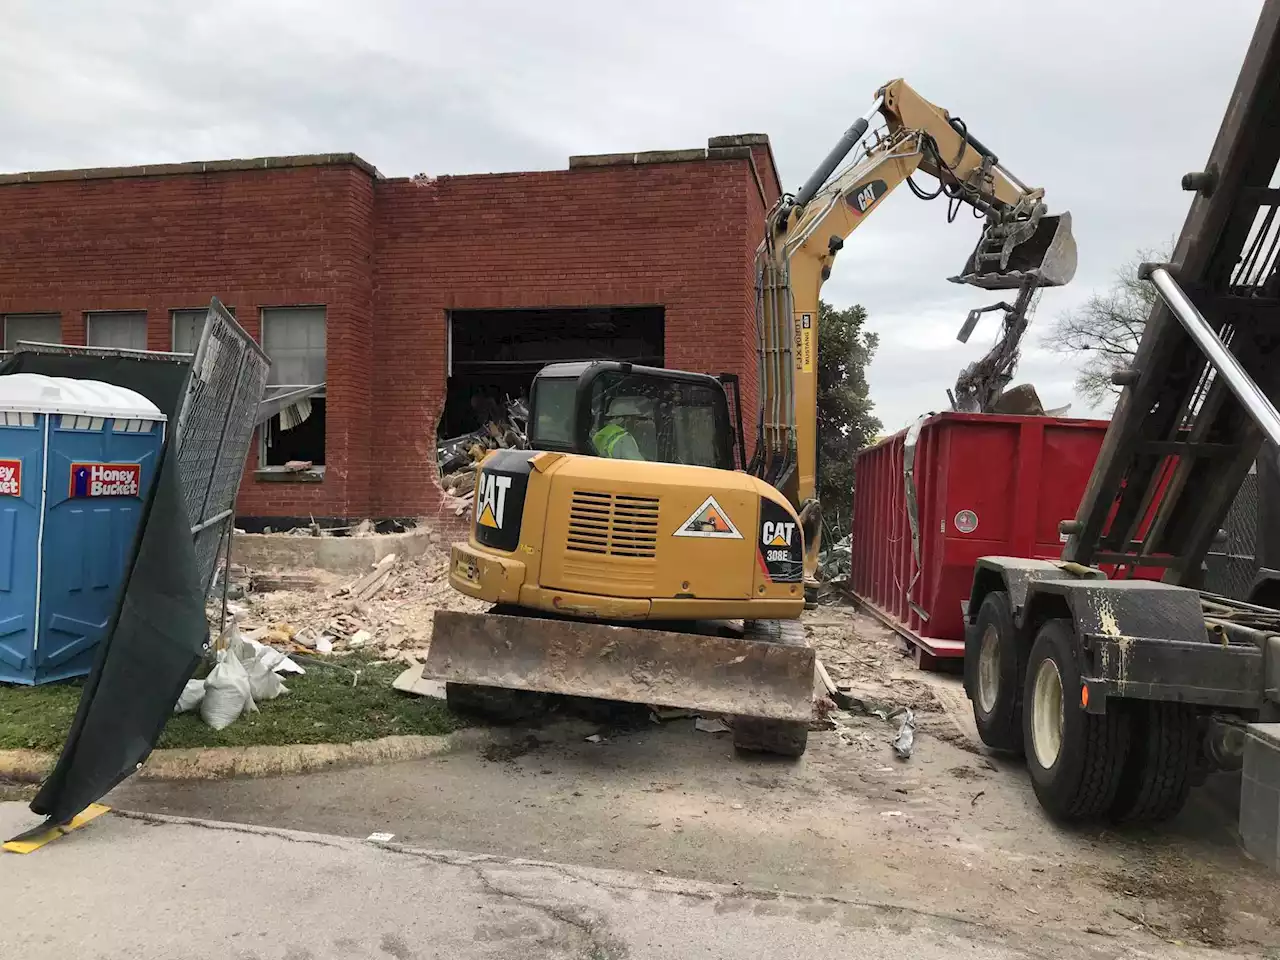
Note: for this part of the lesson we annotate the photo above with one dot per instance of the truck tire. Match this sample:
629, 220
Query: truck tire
1163, 761
783, 738
998, 665
1075, 758
494, 704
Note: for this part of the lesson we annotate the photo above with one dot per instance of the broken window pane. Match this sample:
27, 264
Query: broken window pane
294, 339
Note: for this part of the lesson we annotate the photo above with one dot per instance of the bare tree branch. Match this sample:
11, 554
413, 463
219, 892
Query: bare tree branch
1106, 328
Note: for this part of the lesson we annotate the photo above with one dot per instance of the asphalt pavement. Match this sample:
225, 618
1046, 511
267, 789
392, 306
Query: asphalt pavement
158, 888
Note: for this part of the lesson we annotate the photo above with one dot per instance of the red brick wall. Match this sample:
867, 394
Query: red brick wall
675, 234
388, 258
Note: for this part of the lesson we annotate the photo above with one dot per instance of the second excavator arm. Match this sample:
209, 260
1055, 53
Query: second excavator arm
1021, 247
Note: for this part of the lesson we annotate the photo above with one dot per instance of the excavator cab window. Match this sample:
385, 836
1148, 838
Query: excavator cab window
552, 407
642, 416
625, 412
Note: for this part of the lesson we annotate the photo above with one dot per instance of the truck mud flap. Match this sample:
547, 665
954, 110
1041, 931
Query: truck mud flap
717, 674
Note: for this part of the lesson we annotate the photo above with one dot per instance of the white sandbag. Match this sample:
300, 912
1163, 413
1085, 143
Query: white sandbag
276, 660
226, 691
191, 696
264, 683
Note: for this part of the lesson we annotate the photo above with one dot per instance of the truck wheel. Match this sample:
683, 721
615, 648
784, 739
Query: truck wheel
1075, 758
998, 666
494, 704
784, 738
1162, 764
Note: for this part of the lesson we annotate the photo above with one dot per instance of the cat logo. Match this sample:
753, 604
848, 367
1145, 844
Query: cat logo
709, 520
492, 499
864, 197
776, 534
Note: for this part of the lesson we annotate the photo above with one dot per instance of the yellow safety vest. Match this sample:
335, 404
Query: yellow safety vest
608, 437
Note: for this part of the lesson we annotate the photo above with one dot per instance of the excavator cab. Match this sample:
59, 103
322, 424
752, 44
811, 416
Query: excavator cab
622, 411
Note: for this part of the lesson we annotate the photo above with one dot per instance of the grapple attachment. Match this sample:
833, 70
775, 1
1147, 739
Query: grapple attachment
1020, 248
720, 674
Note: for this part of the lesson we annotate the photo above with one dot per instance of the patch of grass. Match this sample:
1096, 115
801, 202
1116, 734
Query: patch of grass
320, 707
37, 718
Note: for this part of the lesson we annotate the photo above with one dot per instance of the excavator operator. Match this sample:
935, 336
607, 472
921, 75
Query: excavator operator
616, 439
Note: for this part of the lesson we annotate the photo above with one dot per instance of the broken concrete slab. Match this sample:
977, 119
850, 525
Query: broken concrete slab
281, 551
412, 681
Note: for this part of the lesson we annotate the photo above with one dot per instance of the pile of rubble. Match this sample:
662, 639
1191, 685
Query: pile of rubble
457, 457
388, 610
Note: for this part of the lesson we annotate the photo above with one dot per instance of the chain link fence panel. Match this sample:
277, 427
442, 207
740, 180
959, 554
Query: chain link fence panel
215, 427
1232, 565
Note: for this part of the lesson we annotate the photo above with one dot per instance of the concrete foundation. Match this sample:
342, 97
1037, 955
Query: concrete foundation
283, 551
1260, 794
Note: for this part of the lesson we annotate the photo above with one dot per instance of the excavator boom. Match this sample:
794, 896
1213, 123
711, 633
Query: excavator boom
1021, 247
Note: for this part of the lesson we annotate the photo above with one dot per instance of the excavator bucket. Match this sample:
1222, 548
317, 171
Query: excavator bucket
1010, 254
718, 674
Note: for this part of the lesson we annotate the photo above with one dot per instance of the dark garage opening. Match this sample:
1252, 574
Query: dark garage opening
494, 354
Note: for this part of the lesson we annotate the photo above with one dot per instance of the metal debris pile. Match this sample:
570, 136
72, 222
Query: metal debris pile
835, 561
387, 610
457, 457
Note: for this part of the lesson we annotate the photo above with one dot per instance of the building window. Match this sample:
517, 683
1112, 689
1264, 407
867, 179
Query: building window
33, 327
124, 329
187, 327
294, 339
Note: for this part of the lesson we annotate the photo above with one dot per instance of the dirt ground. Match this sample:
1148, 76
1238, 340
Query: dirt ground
949, 832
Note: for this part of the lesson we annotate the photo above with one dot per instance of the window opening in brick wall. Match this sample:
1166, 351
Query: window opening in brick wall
126, 329
187, 326
494, 355
33, 327
293, 440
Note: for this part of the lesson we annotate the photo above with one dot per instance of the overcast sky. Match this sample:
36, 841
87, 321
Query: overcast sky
1105, 104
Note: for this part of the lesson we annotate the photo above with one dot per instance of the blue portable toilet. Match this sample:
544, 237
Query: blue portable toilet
77, 459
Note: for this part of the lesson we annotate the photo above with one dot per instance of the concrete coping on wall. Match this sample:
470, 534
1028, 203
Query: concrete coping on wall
284, 551
735, 147
197, 166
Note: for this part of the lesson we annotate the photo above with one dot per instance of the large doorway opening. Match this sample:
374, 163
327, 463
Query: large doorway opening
494, 355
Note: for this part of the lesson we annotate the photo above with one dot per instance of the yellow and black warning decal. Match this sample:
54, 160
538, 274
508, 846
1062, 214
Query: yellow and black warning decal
709, 520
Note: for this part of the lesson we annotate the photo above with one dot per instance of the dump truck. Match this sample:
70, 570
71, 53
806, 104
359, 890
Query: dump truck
1122, 693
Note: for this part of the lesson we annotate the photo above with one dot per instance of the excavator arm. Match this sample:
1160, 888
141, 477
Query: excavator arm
1021, 247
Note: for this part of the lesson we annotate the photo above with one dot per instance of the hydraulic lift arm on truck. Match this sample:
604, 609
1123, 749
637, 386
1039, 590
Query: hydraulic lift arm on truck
1120, 691
620, 579
1022, 247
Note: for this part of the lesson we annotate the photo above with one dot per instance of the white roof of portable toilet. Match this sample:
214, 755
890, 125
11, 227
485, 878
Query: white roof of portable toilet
36, 393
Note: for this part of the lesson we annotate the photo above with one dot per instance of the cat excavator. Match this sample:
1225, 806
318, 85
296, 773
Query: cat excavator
635, 553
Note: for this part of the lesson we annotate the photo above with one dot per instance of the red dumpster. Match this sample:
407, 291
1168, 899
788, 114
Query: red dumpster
985, 485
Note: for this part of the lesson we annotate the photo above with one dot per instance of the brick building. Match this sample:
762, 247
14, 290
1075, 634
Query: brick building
403, 296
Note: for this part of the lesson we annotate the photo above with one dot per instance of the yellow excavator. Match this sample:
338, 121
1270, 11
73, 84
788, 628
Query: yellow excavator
629, 554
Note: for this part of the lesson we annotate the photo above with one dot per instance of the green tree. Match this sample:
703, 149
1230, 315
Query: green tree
845, 418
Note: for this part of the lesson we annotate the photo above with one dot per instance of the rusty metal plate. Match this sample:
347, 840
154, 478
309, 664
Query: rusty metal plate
717, 674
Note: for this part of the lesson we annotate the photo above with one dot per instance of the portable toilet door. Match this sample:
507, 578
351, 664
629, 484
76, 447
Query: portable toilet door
101, 446
21, 502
